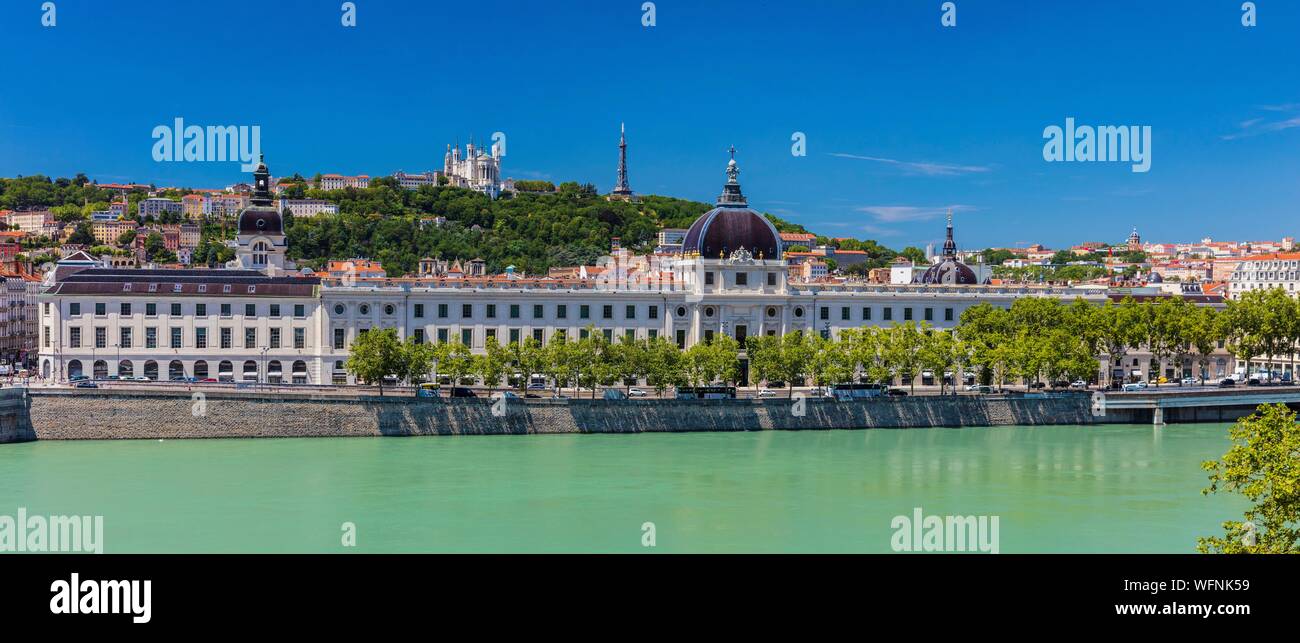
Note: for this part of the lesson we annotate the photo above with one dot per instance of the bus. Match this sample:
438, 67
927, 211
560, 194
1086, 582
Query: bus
706, 393
844, 392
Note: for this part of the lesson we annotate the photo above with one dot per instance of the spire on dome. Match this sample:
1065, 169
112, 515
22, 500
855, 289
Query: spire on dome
949, 246
731, 194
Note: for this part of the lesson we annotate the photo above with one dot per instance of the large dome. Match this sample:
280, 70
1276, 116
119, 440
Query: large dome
732, 225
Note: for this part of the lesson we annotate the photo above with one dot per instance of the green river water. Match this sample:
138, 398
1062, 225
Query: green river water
1054, 489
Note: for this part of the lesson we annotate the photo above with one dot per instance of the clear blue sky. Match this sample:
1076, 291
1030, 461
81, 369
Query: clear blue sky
951, 117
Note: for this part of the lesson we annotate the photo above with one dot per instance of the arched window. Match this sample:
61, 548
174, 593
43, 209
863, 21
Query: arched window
300, 372
151, 370
74, 368
260, 251
101, 369
175, 370
125, 369
200, 370
250, 371
226, 371
274, 374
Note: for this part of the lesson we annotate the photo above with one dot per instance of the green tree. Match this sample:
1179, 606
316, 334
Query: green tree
491, 366
1263, 467
376, 354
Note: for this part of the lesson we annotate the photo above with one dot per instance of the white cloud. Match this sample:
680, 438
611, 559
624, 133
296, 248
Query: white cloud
926, 168
907, 213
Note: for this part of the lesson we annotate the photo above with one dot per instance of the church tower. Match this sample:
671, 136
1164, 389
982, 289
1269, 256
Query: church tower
260, 242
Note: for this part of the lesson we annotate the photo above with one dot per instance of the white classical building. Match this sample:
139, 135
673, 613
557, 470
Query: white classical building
1261, 272
254, 322
307, 208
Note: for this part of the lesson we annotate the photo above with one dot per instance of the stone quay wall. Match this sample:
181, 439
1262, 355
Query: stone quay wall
15, 424
63, 414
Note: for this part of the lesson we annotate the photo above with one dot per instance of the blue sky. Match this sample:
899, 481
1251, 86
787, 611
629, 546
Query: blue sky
904, 118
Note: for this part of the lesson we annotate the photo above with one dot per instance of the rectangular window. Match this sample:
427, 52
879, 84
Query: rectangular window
250, 338
46, 334
467, 336
708, 337
607, 312
227, 338
845, 315
74, 337
151, 337
888, 314
442, 335
742, 279
537, 311
250, 310
824, 313
561, 311
151, 309
907, 313
514, 335
652, 312
226, 311
947, 314
866, 313
419, 311
176, 338
176, 310
124, 338
489, 334
340, 336
630, 334
299, 338
583, 334
275, 311
681, 339
442, 311
514, 311
74, 308
466, 310
101, 309
200, 338
609, 334
630, 312
200, 310
537, 335
929, 314
273, 340
491, 311
584, 312
652, 333
708, 279
126, 310
418, 336
771, 278
299, 310
101, 337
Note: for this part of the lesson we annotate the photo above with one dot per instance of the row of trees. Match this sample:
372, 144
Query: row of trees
1034, 340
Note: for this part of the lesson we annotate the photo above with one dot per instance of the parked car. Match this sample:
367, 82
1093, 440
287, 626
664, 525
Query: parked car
537, 386
78, 378
1134, 386
614, 394
1227, 382
1078, 384
637, 392
460, 391
208, 380
896, 392
87, 384
765, 392
1187, 381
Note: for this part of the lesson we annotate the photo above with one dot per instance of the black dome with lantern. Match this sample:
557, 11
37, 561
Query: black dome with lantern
732, 225
949, 270
261, 217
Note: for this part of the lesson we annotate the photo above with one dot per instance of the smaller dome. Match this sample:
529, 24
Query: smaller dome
949, 271
258, 220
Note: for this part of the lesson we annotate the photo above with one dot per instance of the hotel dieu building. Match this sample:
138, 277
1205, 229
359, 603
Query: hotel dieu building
261, 320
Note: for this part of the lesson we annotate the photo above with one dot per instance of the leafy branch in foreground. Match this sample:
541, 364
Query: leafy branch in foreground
1264, 466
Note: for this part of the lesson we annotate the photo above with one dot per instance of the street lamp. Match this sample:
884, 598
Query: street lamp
264, 375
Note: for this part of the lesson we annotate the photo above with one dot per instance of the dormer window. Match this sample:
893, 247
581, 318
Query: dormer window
203, 287
225, 288
126, 287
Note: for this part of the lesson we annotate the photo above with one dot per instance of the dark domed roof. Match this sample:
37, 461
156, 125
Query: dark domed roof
261, 217
260, 220
949, 271
732, 225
